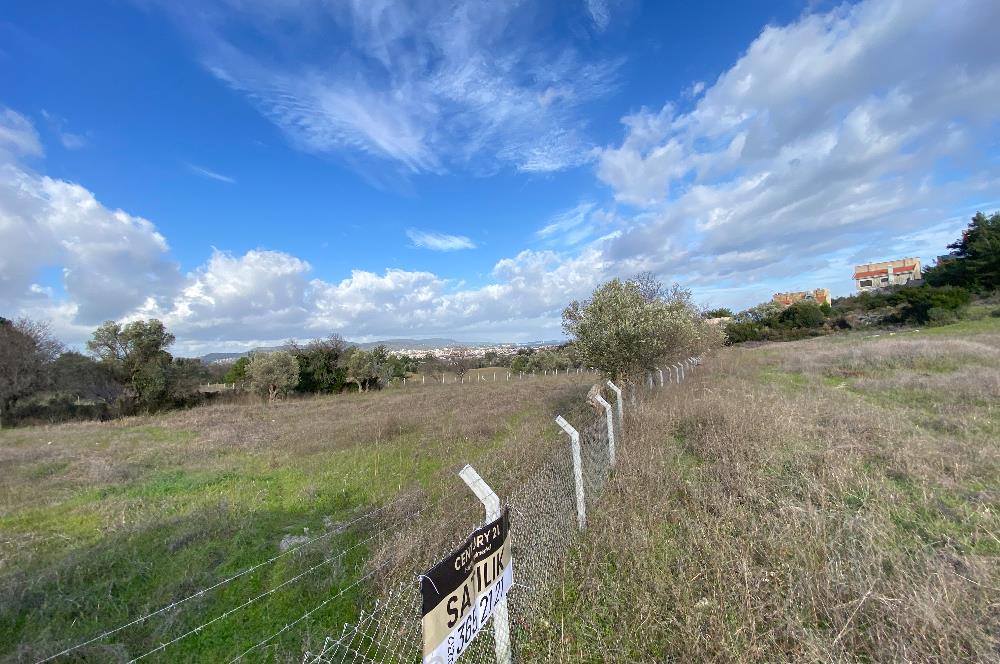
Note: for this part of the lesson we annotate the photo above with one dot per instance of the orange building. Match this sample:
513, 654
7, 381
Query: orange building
872, 276
819, 296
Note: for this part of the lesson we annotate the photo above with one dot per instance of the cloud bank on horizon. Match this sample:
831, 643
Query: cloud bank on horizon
832, 137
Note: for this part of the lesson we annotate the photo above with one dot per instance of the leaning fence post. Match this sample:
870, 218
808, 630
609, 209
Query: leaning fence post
574, 438
611, 428
501, 622
680, 368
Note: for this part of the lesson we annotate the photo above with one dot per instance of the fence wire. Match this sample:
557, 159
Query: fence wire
543, 528
408, 535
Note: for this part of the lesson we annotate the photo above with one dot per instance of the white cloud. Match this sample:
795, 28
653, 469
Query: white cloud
439, 241
599, 13
17, 135
111, 261
69, 140
210, 174
852, 128
844, 136
427, 86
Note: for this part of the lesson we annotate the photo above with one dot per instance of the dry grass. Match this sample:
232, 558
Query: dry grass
821, 501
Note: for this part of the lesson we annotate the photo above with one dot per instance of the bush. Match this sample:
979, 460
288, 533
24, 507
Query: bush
917, 304
995, 313
739, 332
803, 315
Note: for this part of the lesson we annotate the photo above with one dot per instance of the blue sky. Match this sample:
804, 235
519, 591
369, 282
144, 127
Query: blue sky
253, 171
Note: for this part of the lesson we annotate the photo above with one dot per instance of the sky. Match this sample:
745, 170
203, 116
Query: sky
250, 171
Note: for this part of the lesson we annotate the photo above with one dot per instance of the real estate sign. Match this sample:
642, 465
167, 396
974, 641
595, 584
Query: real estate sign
462, 591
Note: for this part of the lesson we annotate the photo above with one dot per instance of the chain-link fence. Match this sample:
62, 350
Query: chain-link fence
367, 569
544, 526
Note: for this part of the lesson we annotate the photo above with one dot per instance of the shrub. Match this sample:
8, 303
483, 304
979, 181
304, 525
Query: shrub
918, 303
804, 314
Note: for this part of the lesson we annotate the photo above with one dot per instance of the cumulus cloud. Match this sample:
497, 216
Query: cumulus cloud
840, 137
111, 262
114, 265
427, 86
439, 241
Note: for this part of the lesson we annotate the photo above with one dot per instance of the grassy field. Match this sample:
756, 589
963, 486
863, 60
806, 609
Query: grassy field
104, 522
829, 500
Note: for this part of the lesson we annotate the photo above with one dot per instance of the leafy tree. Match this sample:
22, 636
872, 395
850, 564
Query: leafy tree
358, 369
137, 355
27, 348
628, 327
974, 263
803, 314
380, 370
237, 372
321, 366
273, 374
520, 363
721, 312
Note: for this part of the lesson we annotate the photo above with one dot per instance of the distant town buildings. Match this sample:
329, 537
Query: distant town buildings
872, 276
819, 296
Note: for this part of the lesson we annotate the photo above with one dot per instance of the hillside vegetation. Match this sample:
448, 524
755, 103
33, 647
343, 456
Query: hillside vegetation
827, 500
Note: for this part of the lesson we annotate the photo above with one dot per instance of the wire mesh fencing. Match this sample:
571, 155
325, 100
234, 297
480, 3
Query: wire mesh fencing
545, 524
366, 570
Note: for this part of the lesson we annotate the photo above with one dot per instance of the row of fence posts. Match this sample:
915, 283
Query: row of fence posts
491, 502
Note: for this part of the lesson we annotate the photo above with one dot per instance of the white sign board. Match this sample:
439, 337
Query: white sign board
462, 591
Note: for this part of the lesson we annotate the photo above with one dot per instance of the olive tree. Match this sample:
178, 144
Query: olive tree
628, 327
359, 364
136, 354
273, 374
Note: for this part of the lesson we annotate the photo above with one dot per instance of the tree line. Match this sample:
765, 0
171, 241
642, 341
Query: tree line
128, 369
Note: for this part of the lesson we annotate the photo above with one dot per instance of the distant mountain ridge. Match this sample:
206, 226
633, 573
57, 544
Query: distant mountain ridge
391, 344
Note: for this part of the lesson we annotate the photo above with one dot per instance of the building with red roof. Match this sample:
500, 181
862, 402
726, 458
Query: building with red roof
872, 276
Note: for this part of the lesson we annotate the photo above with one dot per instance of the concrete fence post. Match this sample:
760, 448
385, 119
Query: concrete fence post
574, 439
621, 406
611, 428
501, 619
